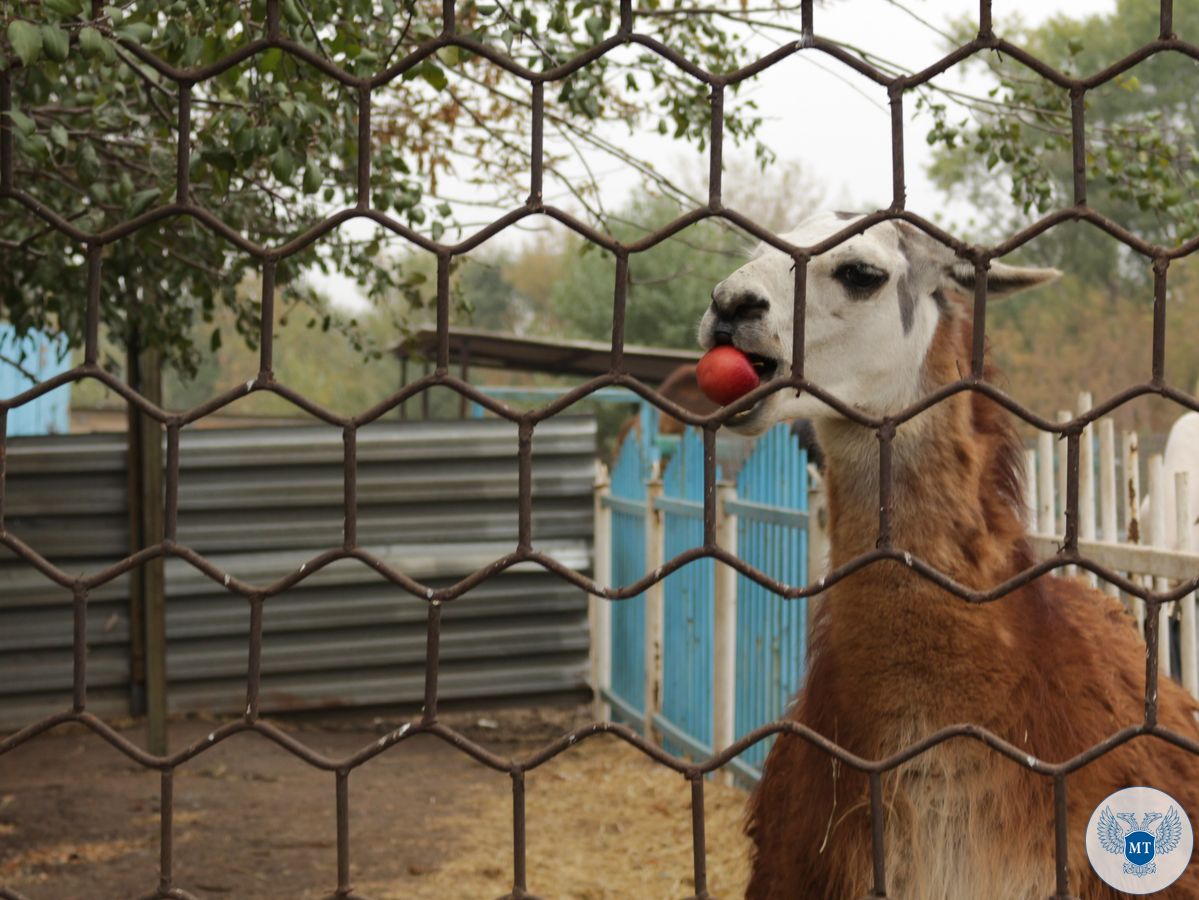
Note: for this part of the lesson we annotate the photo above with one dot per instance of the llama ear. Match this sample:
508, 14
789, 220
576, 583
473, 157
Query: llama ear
1002, 279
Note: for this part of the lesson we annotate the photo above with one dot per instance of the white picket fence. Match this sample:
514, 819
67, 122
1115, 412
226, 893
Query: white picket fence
1121, 528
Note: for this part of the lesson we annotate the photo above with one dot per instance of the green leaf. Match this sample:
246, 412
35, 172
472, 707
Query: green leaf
270, 60
595, 26
23, 123
65, 7
214, 342
137, 32
192, 50
292, 12
142, 201
88, 163
434, 75
58, 135
91, 41
313, 178
26, 41
283, 165
55, 42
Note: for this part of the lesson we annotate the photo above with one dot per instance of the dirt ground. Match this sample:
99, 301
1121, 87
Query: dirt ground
79, 821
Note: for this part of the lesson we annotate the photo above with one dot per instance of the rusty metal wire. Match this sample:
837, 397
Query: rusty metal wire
525, 551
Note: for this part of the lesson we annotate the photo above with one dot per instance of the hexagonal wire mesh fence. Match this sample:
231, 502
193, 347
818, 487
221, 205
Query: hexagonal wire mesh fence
525, 551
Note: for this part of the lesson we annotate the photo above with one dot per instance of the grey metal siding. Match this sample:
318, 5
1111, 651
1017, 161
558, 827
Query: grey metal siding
436, 499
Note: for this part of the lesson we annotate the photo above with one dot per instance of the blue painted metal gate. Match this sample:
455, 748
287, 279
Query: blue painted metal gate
633, 468
688, 611
771, 640
771, 631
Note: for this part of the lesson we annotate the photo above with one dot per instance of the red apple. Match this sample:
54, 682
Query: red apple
725, 373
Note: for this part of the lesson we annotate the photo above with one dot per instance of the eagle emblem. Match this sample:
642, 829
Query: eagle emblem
1122, 835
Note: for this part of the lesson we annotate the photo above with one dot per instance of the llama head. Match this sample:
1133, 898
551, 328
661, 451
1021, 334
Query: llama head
874, 303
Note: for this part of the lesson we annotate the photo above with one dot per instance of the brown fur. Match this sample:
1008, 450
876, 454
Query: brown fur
1054, 668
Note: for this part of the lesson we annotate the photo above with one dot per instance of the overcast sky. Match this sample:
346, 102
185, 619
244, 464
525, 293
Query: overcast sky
818, 113
836, 123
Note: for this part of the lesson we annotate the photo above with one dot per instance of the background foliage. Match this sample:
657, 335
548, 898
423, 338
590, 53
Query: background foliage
275, 145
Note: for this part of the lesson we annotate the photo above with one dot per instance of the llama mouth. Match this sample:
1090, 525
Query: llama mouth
764, 366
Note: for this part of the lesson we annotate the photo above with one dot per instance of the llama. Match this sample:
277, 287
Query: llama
1181, 455
1053, 667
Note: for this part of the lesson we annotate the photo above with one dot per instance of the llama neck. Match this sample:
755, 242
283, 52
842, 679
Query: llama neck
955, 479
954, 492
898, 655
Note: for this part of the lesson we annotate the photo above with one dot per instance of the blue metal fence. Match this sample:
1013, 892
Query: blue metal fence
771, 640
632, 470
771, 632
688, 613
42, 357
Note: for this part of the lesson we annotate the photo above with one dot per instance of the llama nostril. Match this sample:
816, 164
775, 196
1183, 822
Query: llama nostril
744, 305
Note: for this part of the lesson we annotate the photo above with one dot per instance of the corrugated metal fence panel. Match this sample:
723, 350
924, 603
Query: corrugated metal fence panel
436, 499
687, 604
43, 357
629, 475
771, 631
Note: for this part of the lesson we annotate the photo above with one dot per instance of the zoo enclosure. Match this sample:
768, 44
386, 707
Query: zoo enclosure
438, 502
272, 36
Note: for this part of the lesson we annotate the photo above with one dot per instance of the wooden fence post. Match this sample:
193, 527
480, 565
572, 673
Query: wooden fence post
724, 640
1190, 651
1086, 480
1133, 526
1157, 538
144, 463
1030, 490
1109, 514
1044, 475
1063, 415
654, 552
599, 609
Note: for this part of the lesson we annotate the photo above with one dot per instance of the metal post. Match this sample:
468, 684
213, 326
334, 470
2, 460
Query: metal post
599, 610
133, 497
654, 551
724, 643
153, 574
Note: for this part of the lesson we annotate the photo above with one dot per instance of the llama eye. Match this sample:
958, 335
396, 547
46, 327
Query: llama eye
860, 277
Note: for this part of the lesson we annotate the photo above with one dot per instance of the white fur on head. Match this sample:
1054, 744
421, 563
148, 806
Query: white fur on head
865, 342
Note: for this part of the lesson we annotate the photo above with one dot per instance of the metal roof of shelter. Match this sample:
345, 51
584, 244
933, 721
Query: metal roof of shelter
493, 350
